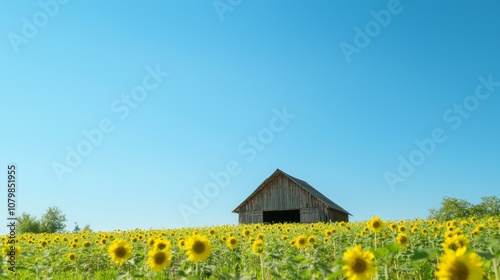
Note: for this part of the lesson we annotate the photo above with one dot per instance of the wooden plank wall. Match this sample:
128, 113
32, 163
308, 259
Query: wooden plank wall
284, 194
337, 216
310, 215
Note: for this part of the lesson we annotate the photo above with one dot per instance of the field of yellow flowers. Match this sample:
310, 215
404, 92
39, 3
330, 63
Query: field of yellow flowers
374, 249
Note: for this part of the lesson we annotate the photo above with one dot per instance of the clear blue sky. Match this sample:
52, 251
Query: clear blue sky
359, 102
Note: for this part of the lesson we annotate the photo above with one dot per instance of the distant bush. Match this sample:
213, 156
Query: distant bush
51, 222
454, 208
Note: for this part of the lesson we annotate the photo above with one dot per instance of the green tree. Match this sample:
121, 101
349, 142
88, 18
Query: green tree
451, 208
454, 208
27, 224
77, 228
489, 206
53, 220
87, 228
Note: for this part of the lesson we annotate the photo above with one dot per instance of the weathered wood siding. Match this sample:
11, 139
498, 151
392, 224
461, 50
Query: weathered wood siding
310, 215
337, 216
251, 217
281, 194
284, 194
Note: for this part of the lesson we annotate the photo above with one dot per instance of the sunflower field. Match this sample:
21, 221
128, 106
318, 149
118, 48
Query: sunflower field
374, 249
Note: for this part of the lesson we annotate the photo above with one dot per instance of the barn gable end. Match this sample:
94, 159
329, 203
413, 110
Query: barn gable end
283, 198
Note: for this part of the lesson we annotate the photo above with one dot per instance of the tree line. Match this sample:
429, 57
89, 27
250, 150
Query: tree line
454, 208
52, 221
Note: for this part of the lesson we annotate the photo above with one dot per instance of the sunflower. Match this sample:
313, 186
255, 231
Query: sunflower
162, 244
402, 229
198, 248
393, 226
458, 231
72, 257
7, 251
461, 240
181, 243
455, 242
151, 241
159, 259
120, 251
232, 242
402, 239
258, 247
42, 243
311, 240
451, 223
358, 264
376, 224
448, 234
459, 265
414, 229
301, 241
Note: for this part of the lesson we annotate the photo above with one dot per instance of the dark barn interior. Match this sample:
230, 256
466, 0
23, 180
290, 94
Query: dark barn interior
285, 216
282, 198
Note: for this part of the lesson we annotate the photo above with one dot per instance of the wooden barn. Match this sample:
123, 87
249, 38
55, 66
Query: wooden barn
282, 198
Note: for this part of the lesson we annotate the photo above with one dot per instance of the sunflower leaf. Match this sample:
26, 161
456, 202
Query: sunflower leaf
276, 256
392, 247
381, 252
323, 267
122, 275
335, 274
298, 259
422, 254
485, 255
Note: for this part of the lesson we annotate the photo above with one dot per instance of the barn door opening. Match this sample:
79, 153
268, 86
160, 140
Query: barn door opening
287, 216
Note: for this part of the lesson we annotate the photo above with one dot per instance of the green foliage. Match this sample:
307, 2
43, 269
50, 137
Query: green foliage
53, 220
87, 228
27, 224
321, 259
451, 208
489, 206
77, 228
454, 208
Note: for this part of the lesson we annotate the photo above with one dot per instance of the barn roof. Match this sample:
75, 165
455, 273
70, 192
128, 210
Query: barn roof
303, 184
